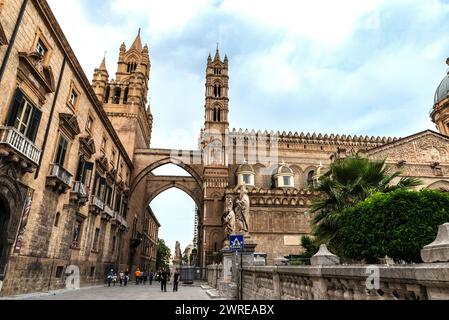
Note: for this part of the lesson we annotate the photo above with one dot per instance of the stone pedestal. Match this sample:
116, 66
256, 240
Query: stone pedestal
324, 257
438, 251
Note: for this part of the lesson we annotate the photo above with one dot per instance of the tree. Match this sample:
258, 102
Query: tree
347, 182
163, 255
397, 224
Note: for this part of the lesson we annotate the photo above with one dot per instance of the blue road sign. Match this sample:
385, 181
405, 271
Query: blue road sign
236, 242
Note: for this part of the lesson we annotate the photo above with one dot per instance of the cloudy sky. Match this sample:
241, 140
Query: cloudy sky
350, 67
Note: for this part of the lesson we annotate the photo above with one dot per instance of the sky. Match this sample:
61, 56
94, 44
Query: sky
349, 67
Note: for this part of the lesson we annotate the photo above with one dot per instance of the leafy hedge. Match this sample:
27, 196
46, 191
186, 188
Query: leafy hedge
396, 224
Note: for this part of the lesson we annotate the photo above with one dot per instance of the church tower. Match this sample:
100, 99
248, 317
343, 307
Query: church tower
214, 140
216, 117
125, 97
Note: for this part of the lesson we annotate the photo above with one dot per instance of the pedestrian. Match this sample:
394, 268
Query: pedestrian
137, 274
121, 277
151, 276
144, 277
164, 280
114, 279
126, 279
176, 278
109, 277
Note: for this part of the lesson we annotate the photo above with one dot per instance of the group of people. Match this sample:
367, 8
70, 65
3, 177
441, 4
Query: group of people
163, 277
122, 278
142, 277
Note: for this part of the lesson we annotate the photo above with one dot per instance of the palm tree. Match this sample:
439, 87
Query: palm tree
347, 182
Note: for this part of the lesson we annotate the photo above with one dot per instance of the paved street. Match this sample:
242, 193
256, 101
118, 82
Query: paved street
131, 292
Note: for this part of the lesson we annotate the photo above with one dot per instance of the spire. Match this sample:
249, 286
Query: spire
103, 64
217, 54
137, 44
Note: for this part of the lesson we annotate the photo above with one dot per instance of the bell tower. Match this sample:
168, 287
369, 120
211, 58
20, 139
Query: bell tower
125, 98
217, 88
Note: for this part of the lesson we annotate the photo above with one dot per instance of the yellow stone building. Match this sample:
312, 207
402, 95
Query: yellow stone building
76, 161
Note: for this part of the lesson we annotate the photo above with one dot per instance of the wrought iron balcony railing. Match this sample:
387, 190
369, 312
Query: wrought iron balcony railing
12, 138
58, 172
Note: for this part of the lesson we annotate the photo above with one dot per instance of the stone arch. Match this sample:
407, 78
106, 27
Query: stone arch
170, 185
161, 162
12, 197
442, 185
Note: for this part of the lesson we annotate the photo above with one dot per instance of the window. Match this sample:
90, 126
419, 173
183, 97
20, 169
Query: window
247, 179
96, 235
287, 181
59, 271
84, 172
76, 238
310, 179
61, 151
92, 271
89, 123
24, 116
57, 219
125, 96
73, 97
107, 94
41, 48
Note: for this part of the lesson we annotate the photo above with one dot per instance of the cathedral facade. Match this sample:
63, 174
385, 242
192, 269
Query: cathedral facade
76, 161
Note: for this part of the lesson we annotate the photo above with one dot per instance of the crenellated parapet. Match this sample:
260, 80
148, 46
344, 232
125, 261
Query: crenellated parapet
310, 138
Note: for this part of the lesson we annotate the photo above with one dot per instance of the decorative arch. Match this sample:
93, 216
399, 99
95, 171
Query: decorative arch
441, 185
171, 185
159, 163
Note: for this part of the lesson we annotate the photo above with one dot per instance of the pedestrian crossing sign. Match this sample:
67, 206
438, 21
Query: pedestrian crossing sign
236, 242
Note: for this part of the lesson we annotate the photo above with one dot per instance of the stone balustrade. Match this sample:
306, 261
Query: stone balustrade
351, 282
214, 274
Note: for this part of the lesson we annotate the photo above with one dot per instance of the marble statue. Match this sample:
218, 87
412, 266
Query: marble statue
241, 210
228, 217
178, 255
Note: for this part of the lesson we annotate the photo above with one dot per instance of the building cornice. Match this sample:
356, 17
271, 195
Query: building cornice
44, 8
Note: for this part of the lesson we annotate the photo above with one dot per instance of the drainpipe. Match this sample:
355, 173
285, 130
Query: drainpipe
13, 39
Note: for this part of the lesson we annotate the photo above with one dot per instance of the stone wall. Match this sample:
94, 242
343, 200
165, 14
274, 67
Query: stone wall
399, 282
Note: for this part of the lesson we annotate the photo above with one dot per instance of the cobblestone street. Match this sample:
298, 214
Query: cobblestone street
131, 292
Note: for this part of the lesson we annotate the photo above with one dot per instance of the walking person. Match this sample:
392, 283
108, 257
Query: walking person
126, 278
114, 279
121, 277
164, 280
137, 274
151, 276
109, 277
144, 277
176, 278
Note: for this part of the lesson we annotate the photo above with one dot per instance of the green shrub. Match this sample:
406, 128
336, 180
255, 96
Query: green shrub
396, 224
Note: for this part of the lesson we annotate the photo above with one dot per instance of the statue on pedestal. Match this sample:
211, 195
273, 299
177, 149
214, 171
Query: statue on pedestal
228, 218
241, 209
178, 255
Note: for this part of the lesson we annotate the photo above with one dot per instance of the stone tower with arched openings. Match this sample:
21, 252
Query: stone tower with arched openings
125, 97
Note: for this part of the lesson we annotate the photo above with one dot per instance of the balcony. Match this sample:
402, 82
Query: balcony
96, 205
80, 193
18, 148
120, 221
58, 178
108, 213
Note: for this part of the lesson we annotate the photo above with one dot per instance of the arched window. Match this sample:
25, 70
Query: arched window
107, 94
215, 114
310, 179
218, 115
125, 97
116, 98
217, 91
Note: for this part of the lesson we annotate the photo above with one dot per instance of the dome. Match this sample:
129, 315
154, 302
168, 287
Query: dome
442, 90
283, 169
245, 168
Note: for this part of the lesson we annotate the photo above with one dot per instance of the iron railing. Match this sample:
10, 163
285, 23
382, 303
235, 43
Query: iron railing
11, 137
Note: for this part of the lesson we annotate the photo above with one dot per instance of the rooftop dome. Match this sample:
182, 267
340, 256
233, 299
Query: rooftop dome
284, 169
245, 167
443, 88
